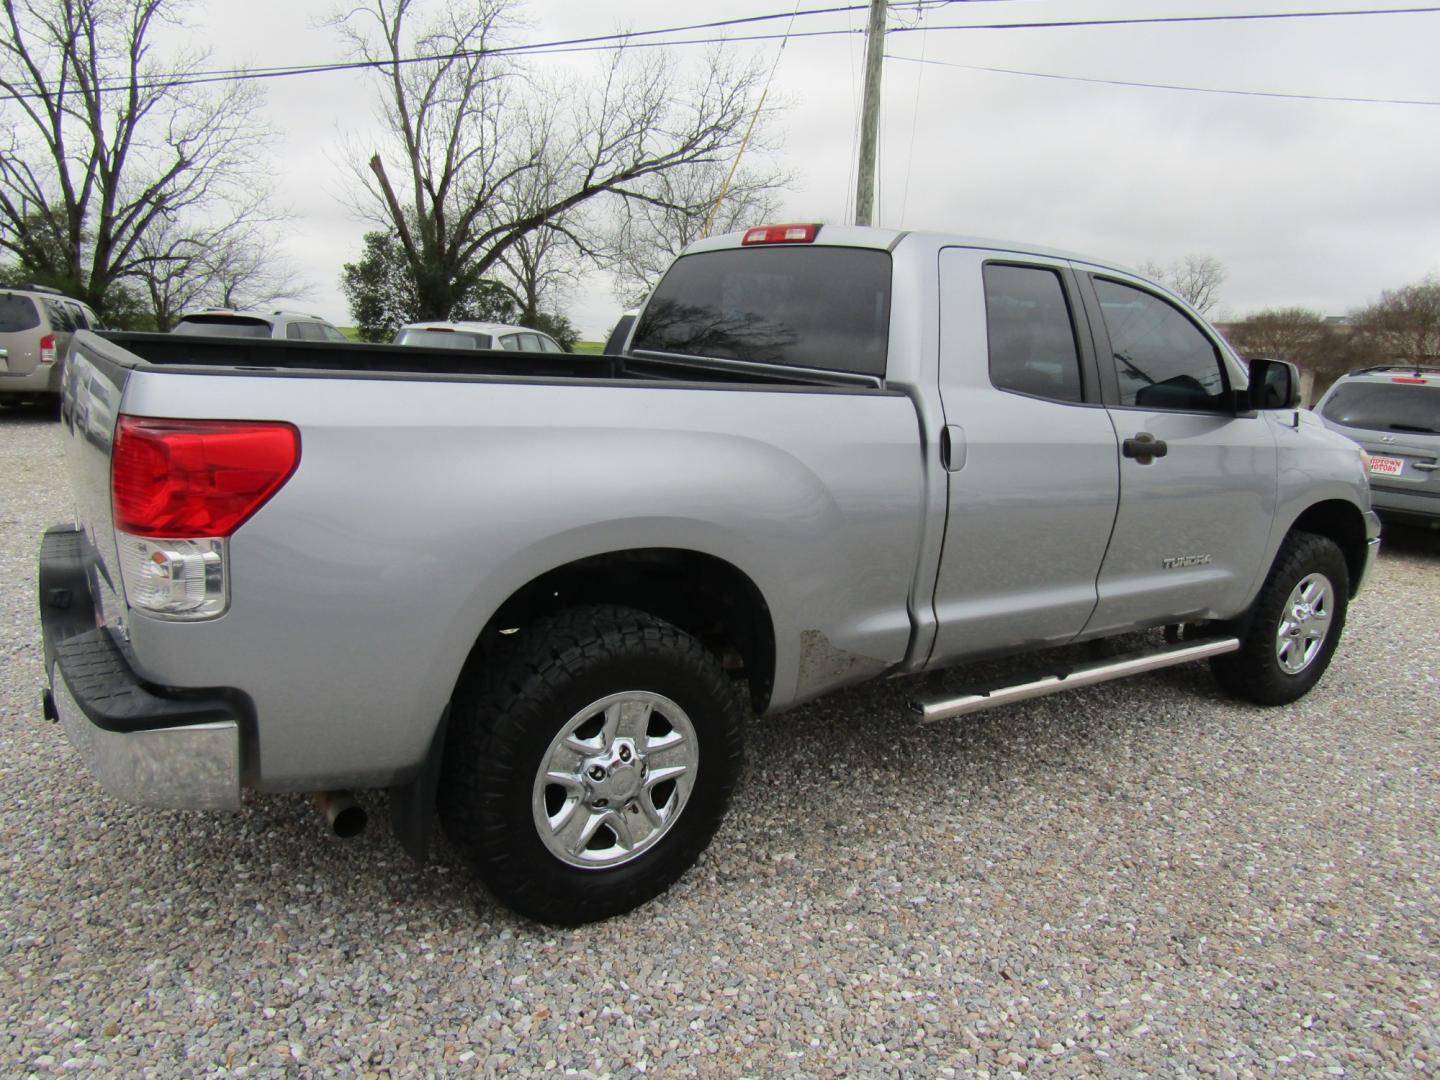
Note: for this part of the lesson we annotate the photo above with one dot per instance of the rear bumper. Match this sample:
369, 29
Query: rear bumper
45, 379
1418, 506
143, 744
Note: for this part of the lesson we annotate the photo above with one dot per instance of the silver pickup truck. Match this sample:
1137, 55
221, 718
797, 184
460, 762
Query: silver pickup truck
528, 591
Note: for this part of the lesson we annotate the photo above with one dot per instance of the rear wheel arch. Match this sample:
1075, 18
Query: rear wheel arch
706, 596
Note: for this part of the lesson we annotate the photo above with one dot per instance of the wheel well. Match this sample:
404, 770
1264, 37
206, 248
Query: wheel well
1342, 523
706, 597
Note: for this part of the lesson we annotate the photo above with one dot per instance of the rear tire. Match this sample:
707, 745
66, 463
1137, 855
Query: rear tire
588, 766
1292, 631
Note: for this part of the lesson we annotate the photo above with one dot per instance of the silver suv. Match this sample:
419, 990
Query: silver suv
35, 327
1394, 413
226, 322
476, 335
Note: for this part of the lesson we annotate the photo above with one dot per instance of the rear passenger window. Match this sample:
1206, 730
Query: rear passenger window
1032, 337
60, 318
1162, 360
306, 331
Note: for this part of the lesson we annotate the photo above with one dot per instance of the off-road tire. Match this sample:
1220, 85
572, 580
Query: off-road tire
509, 707
1254, 673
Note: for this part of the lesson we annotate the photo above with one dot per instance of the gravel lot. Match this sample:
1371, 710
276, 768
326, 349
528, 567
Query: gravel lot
1141, 878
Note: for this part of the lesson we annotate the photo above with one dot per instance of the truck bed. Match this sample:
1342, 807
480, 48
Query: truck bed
199, 355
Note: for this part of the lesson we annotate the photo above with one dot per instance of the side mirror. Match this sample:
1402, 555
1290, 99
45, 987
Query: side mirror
1274, 384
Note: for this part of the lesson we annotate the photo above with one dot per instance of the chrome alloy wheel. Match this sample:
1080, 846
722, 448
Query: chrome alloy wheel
1304, 623
615, 779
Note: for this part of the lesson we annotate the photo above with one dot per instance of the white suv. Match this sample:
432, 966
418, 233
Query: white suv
476, 335
292, 325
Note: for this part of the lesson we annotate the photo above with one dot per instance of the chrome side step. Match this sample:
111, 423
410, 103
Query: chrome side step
1134, 664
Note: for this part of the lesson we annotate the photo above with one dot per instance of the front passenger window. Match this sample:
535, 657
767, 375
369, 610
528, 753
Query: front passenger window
1161, 358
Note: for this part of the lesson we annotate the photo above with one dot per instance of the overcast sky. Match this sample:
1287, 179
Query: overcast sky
1320, 204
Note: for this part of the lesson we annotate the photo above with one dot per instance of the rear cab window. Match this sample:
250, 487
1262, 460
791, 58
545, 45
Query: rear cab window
825, 308
17, 313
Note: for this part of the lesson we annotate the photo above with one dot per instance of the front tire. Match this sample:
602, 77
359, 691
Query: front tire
1292, 632
589, 765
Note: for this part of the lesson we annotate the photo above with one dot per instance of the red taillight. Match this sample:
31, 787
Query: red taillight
197, 478
47, 349
1408, 379
781, 234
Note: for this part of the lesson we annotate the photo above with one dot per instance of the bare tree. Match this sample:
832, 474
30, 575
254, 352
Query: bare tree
648, 235
486, 160
540, 268
1196, 279
1404, 324
101, 154
232, 264
1295, 334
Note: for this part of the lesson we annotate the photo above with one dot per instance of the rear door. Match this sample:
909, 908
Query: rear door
20, 334
1396, 418
1031, 456
1193, 524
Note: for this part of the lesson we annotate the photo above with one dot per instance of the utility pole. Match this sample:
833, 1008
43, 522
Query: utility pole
870, 114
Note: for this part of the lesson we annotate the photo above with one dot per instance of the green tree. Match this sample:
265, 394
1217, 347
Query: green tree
557, 326
381, 291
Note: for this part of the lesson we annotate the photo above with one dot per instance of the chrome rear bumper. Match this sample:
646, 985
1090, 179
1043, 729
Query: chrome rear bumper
144, 744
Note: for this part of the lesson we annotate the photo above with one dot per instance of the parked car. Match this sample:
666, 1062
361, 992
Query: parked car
1394, 413
527, 595
291, 325
476, 335
36, 323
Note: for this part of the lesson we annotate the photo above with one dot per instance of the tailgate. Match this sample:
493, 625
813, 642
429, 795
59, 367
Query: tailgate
1405, 461
89, 408
19, 353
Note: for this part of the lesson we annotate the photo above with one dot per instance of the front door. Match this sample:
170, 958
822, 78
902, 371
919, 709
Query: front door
1194, 521
1031, 456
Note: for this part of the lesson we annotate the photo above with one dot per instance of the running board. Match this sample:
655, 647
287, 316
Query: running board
1134, 664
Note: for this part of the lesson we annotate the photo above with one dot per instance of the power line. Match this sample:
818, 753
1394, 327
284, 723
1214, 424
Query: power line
604, 42
563, 45
1165, 86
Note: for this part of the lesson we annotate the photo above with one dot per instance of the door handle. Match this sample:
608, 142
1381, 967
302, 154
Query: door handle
1144, 448
952, 447
1426, 466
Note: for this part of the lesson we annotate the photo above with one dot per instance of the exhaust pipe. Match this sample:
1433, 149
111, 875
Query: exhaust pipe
344, 816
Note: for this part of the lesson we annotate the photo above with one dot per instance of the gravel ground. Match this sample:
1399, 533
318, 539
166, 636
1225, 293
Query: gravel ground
1140, 878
